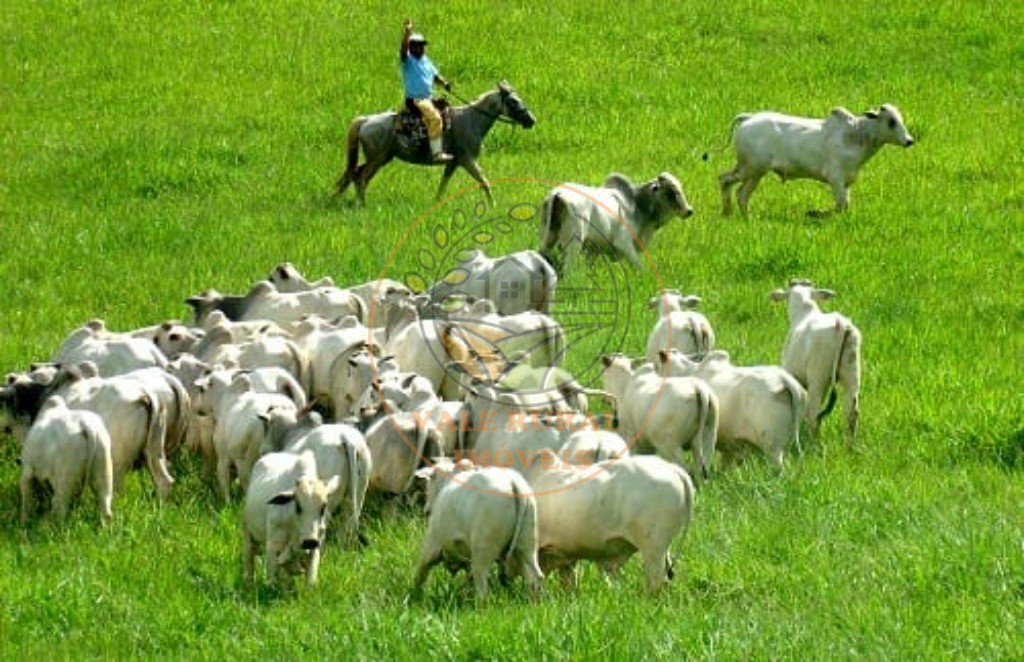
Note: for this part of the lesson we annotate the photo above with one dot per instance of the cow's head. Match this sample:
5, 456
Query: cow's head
800, 297
662, 198
889, 125
309, 505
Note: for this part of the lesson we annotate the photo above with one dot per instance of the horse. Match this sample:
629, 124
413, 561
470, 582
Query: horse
470, 123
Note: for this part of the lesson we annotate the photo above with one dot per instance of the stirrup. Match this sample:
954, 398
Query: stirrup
441, 157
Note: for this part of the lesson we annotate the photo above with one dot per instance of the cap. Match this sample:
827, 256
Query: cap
417, 37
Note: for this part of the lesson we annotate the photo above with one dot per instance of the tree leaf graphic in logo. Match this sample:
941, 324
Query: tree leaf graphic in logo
427, 260
522, 212
415, 282
440, 236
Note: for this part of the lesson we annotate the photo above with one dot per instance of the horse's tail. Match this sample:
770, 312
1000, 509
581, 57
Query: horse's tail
742, 117
351, 154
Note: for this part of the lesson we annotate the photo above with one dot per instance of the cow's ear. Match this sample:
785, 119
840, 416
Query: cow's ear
654, 302
281, 499
407, 382
778, 295
332, 485
691, 301
664, 355
871, 114
606, 361
822, 294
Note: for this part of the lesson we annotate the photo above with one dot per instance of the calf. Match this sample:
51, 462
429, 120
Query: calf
822, 351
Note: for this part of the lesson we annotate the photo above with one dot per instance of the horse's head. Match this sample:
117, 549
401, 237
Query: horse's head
514, 108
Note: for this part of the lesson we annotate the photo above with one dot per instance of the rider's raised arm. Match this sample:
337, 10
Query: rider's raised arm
403, 50
439, 79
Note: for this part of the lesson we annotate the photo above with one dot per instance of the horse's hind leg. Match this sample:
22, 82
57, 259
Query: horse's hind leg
363, 176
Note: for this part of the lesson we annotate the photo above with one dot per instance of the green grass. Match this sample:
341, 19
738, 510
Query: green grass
153, 150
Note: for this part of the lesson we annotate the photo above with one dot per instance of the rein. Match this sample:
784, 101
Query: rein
498, 117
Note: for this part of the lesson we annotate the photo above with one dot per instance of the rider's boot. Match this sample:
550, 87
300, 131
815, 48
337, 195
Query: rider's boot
437, 153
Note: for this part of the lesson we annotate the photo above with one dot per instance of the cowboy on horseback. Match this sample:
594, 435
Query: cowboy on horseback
418, 76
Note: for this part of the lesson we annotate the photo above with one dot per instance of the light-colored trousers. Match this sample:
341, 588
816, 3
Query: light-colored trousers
431, 117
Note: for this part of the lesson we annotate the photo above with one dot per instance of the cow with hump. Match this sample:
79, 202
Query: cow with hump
830, 150
619, 218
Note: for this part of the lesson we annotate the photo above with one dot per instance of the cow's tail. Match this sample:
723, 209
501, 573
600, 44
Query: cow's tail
526, 522
423, 429
704, 440
355, 494
798, 404
551, 225
99, 463
180, 428
742, 117
156, 435
351, 154
833, 379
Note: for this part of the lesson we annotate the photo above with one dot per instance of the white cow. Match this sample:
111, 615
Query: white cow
584, 447
240, 417
831, 150
475, 517
822, 350
265, 302
285, 516
608, 511
759, 405
666, 414
679, 327
399, 444
113, 353
517, 282
66, 449
340, 450
618, 219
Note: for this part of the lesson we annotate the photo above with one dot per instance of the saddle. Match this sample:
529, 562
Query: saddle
409, 123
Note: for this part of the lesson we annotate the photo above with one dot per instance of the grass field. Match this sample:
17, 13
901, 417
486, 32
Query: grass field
154, 150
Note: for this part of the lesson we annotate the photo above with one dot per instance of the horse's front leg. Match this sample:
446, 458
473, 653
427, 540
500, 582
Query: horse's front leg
478, 174
449, 170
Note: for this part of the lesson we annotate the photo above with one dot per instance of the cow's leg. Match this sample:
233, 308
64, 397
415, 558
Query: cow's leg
313, 567
815, 396
28, 496
480, 567
446, 176
655, 567
477, 173
224, 477
430, 557
841, 193
726, 181
747, 189
248, 559
63, 493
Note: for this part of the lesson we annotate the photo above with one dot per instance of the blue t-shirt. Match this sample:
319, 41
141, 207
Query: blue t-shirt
418, 76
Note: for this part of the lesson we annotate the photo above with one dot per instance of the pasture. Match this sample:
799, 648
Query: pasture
154, 150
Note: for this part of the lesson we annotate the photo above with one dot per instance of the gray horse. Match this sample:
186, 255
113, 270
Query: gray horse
469, 124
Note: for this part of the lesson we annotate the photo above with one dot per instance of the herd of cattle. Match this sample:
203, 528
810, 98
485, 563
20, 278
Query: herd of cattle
316, 397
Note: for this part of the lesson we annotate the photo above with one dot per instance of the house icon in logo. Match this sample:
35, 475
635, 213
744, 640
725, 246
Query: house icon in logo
514, 283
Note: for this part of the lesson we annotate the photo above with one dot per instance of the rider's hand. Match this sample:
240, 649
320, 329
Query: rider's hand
407, 25
447, 86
